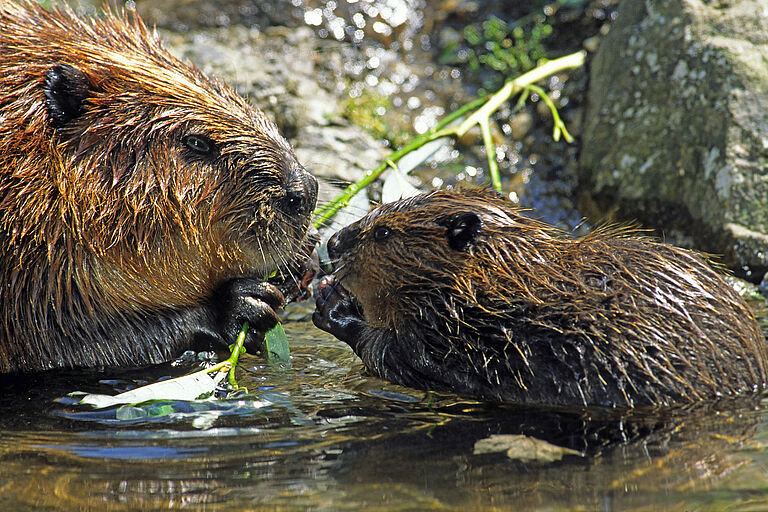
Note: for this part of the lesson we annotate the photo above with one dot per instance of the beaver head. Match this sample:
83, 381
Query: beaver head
435, 245
130, 184
456, 290
134, 167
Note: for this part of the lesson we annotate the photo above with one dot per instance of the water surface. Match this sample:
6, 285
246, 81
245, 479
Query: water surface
322, 435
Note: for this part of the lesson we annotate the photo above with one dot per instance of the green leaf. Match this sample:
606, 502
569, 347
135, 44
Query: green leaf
277, 345
472, 35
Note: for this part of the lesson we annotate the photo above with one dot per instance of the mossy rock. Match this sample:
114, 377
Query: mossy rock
676, 131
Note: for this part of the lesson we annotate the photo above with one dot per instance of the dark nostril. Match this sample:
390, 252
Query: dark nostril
310, 184
296, 202
302, 196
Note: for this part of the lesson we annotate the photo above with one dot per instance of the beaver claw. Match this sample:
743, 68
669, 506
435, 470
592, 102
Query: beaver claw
253, 301
337, 311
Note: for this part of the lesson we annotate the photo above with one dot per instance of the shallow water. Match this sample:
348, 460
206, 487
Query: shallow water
321, 435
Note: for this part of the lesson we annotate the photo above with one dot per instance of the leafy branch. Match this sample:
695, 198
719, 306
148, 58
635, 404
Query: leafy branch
478, 112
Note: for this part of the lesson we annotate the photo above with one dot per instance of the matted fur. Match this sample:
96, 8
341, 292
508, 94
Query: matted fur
530, 314
110, 215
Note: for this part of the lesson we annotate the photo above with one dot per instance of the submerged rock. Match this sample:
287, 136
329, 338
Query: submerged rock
676, 130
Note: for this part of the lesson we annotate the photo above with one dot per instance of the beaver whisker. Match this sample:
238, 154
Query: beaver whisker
339, 273
277, 259
332, 262
264, 255
331, 223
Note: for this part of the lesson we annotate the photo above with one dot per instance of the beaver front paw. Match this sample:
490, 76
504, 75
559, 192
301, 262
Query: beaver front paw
252, 301
337, 311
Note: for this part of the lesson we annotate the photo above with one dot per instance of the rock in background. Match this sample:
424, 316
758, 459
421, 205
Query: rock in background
676, 129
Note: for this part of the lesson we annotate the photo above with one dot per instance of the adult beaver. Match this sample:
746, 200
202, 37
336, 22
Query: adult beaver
455, 290
140, 202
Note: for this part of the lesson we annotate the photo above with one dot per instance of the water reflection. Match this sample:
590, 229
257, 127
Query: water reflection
323, 435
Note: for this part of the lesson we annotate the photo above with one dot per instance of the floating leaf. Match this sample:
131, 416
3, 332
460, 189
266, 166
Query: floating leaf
523, 448
194, 386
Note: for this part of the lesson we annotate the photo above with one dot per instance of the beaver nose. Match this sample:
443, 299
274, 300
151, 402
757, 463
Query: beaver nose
310, 184
301, 196
341, 242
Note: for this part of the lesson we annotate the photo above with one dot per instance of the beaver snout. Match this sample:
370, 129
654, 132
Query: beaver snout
301, 195
341, 242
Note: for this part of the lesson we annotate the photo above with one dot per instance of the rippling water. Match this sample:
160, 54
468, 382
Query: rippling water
321, 435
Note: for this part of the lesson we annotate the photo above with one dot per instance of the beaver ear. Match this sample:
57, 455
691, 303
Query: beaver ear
462, 229
66, 89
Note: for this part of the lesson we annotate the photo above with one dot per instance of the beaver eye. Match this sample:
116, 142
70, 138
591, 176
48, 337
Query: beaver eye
381, 233
199, 144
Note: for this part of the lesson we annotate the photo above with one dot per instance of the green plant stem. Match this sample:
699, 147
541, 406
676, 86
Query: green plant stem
490, 151
559, 127
231, 362
512, 87
324, 213
485, 107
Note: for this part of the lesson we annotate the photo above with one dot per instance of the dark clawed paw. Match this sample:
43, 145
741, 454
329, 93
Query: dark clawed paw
336, 310
252, 301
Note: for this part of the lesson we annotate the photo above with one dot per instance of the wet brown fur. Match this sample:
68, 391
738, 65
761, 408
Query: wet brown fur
110, 215
527, 313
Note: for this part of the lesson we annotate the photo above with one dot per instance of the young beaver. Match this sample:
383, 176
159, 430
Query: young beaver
141, 203
455, 290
